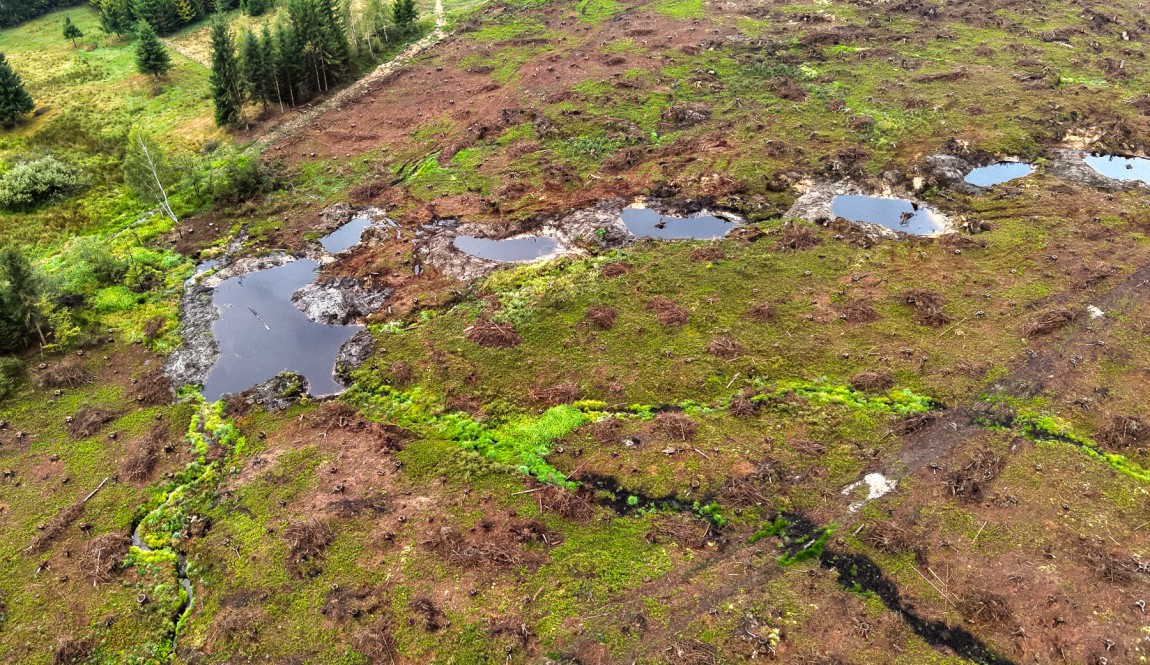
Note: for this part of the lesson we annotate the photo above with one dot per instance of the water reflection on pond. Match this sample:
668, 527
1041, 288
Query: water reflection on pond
1121, 168
510, 250
646, 223
895, 214
996, 174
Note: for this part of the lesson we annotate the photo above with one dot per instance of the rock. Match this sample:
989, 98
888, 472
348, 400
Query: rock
338, 302
190, 364
352, 355
278, 393
948, 171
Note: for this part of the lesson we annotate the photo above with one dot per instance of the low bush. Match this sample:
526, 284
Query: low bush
38, 181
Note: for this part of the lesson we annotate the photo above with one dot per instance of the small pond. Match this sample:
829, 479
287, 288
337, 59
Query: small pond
895, 214
510, 250
346, 236
996, 174
645, 223
1121, 168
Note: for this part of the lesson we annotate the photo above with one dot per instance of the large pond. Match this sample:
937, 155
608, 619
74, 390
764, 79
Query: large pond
996, 174
895, 214
261, 333
510, 250
1121, 168
645, 223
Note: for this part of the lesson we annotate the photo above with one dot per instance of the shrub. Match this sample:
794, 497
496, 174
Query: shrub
243, 178
11, 371
38, 181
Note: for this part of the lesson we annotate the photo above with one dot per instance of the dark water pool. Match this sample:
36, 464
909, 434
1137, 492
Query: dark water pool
511, 249
895, 214
645, 223
346, 236
996, 174
261, 333
1121, 168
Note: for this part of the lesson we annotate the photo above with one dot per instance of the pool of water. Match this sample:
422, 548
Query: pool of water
346, 236
895, 214
646, 223
996, 174
510, 250
1121, 168
261, 333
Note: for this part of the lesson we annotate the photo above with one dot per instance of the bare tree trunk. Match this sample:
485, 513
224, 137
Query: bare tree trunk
165, 206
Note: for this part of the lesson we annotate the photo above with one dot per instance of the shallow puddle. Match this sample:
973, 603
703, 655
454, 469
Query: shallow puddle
895, 214
996, 174
205, 266
510, 250
346, 236
1121, 168
261, 333
646, 223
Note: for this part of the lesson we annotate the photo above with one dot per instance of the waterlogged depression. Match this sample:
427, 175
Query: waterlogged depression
996, 174
509, 250
646, 223
895, 214
1120, 168
346, 236
261, 333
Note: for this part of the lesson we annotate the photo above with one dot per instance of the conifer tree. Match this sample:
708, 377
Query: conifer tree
403, 14
184, 10
19, 292
253, 69
288, 63
14, 99
151, 56
71, 31
224, 78
115, 16
271, 66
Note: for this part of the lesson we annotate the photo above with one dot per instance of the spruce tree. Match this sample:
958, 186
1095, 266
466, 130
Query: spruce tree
184, 11
115, 16
19, 292
151, 56
403, 14
272, 87
14, 99
288, 63
225, 75
161, 14
335, 50
71, 31
253, 69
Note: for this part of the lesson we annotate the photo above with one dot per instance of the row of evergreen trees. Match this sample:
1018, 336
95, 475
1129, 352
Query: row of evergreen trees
303, 56
18, 11
165, 16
